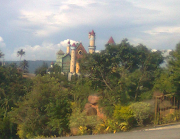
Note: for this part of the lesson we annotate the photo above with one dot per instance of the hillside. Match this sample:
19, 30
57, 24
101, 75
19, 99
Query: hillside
33, 65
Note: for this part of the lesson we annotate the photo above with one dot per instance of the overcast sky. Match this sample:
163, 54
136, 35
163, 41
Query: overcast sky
42, 27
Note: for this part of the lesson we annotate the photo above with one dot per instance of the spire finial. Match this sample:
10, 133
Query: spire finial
68, 41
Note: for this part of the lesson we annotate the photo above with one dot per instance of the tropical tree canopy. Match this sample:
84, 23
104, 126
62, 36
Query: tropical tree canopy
20, 53
1, 54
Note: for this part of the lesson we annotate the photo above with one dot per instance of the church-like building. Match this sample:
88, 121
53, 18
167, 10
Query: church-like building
69, 61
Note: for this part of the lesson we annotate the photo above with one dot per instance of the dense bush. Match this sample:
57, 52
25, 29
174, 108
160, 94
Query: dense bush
124, 114
171, 117
141, 111
44, 111
81, 122
12, 88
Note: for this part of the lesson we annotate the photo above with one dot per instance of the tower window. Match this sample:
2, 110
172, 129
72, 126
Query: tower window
80, 52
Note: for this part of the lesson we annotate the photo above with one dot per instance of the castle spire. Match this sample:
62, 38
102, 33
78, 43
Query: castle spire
68, 47
73, 58
111, 40
92, 46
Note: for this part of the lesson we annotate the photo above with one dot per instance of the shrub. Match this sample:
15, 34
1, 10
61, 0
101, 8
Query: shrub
110, 126
172, 117
44, 111
123, 114
84, 124
141, 111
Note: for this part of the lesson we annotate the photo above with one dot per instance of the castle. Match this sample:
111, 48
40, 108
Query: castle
69, 61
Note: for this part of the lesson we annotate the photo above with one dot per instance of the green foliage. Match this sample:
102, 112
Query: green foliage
80, 91
56, 69
41, 70
171, 117
164, 82
12, 88
123, 71
43, 111
141, 111
78, 118
123, 114
58, 113
24, 66
146, 95
7, 128
110, 126
174, 68
121, 74
82, 122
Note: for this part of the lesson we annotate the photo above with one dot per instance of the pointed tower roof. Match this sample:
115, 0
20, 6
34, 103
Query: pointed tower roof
92, 33
60, 52
69, 42
74, 45
111, 41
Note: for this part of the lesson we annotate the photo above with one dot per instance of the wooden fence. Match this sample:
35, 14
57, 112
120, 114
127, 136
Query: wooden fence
166, 106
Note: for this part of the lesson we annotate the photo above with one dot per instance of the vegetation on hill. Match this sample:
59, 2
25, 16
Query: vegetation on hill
32, 65
122, 76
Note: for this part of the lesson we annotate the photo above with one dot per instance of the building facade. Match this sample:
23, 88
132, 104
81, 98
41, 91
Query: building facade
69, 61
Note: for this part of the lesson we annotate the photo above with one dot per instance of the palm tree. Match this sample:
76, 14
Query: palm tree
1, 54
20, 53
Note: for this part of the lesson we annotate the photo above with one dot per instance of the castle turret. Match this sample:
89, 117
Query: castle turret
73, 58
92, 46
68, 47
59, 57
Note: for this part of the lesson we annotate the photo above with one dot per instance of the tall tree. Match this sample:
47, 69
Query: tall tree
174, 67
106, 68
121, 70
1, 54
44, 111
20, 53
12, 88
148, 63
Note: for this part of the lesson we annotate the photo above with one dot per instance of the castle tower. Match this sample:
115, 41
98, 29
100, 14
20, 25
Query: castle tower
68, 47
73, 58
92, 46
59, 56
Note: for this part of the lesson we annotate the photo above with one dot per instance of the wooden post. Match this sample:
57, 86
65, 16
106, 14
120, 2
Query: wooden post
155, 118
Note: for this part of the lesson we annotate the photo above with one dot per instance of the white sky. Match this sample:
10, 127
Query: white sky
42, 27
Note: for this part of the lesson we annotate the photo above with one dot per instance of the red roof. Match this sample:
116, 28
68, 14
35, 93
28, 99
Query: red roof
92, 33
74, 45
111, 41
52, 63
80, 47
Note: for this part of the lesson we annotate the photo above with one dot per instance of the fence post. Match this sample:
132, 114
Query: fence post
155, 118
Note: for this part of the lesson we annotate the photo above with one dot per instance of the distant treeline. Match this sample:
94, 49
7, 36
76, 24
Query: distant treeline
33, 65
